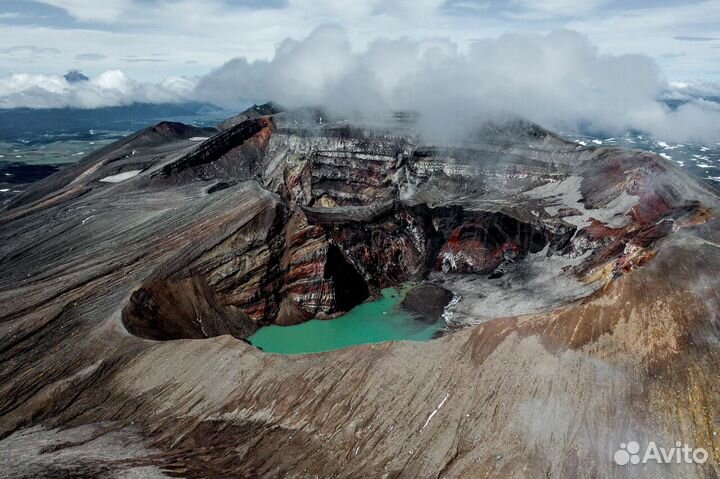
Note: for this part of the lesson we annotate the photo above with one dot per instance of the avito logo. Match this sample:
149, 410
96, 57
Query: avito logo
680, 454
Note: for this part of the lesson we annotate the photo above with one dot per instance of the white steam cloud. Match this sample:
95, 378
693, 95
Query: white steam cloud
111, 88
559, 80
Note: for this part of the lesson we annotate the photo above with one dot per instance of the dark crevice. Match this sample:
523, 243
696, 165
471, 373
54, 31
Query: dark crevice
350, 287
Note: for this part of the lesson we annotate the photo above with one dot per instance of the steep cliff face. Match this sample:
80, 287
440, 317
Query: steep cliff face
357, 210
335, 166
347, 221
586, 309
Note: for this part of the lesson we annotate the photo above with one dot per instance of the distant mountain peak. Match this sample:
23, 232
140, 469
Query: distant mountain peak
75, 76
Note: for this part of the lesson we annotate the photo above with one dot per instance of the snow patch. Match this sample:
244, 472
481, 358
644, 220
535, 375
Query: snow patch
435, 411
449, 310
125, 175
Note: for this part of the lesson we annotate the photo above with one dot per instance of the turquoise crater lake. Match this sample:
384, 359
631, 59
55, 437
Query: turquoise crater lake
373, 322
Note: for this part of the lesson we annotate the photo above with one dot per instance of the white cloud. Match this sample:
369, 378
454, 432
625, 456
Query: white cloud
529, 73
559, 80
652, 30
697, 120
688, 90
562, 7
210, 32
90, 57
111, 88
105, 10
29, 52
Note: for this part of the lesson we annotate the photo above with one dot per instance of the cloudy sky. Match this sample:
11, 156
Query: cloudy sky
602, 63
154, 39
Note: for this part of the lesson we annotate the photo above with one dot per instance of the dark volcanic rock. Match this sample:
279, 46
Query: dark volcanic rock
427, 300
75, 76
130, 279
256, 111
185, 309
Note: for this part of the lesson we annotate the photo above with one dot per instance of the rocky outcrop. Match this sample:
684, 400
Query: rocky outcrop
427, 301
587, 311
185, 309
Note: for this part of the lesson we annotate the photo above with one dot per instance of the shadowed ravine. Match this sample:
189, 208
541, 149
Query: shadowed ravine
588, 313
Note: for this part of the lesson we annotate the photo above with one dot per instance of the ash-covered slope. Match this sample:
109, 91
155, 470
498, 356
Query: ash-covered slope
586, 275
